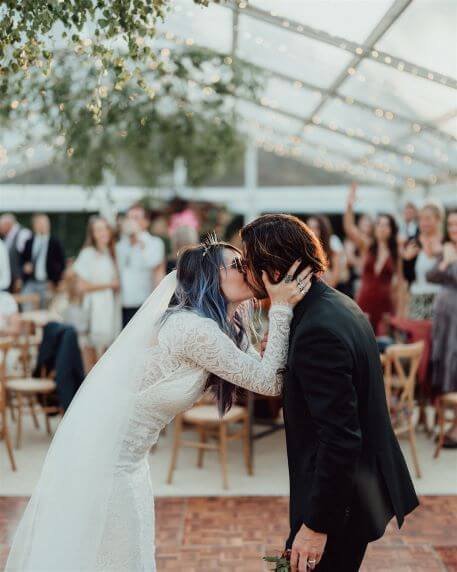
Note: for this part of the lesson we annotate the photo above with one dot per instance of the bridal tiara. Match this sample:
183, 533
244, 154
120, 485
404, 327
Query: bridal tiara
209, 241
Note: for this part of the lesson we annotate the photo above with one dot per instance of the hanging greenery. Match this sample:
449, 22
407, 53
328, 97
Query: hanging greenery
141, 118
28, 29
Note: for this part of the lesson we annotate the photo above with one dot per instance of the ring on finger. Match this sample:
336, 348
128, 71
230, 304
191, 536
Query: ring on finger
288, 279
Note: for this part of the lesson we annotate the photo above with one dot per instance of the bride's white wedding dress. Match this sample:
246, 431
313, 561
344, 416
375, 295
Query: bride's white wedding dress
175, 373
93, 506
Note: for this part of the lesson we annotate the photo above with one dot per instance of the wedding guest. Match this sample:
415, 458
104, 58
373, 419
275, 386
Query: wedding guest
322, 228
141, 260
181, 237
98, 281
445, 321
182, 215
43, 260
381, 264
5, 271
9, 315
15, 237
67, 303
354, 257
409, 225
420, 255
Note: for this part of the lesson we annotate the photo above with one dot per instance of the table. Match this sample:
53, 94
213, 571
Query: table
40, 317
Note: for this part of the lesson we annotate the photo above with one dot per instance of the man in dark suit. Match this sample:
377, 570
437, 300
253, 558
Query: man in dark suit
348, 477
43, 259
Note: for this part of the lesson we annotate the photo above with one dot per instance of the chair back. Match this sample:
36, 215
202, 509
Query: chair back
402, 363
27, 342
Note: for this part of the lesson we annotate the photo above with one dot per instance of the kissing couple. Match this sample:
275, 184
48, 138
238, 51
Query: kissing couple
93, 510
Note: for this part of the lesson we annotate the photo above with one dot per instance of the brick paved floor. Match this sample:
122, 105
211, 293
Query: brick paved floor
227, 534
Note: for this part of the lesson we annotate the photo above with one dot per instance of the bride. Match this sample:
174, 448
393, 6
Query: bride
93, 506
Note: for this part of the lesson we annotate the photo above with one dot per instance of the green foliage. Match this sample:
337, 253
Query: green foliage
143, 115
282, 564
28, 27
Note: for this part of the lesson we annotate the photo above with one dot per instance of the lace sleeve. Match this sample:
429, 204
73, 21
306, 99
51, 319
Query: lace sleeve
202, 341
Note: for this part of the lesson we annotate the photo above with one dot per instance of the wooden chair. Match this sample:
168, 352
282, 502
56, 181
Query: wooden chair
5, 346
204, 417
444, 402
27, 342
401, 363
28, 390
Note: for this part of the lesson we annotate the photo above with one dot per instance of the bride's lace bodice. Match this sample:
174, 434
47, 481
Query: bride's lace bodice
176, 367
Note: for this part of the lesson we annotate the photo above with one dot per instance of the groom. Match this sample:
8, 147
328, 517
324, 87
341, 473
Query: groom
348, 477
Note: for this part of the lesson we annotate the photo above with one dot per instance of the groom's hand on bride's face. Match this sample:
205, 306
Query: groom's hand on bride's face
307, 549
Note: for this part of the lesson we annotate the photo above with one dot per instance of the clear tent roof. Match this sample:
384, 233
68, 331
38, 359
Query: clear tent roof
366, 88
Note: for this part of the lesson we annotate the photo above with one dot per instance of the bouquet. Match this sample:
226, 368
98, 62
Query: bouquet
281, 563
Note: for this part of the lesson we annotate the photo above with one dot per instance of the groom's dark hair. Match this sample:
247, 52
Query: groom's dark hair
273, 242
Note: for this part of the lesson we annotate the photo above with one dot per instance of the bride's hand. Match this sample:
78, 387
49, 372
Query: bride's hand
290, 290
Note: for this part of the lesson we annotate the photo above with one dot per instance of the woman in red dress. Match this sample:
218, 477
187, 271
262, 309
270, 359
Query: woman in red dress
381, 264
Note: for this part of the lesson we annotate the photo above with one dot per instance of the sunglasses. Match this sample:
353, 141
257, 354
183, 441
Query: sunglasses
237, 264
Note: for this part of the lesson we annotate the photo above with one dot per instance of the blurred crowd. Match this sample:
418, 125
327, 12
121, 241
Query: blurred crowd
396, 267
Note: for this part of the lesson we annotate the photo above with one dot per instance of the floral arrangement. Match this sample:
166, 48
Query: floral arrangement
281, 563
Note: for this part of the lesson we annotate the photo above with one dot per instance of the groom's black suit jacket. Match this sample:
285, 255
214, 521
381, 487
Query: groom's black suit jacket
345, 464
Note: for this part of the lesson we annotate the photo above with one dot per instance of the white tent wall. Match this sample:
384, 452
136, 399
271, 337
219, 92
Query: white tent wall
241, 200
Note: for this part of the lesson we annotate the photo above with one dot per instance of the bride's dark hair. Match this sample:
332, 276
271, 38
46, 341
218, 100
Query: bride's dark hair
199, 290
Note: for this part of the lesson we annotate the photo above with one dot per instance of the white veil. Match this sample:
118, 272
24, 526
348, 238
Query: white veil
65, 517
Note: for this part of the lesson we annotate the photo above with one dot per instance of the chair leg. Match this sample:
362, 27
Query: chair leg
412, 442
19, 421
12, 407
8, 444
440, 443
176, 445
46, 416
31, 402
247, 446
48, 424
201, 451
223, 453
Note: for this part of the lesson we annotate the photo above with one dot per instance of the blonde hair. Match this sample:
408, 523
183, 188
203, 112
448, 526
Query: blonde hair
435, 207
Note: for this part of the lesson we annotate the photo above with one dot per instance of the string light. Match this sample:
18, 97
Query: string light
293, 150
388, 115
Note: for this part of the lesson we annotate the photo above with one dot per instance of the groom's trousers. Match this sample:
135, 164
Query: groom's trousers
343, 553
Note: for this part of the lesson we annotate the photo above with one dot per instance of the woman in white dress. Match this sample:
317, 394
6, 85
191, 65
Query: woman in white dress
98, 281
93, 507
